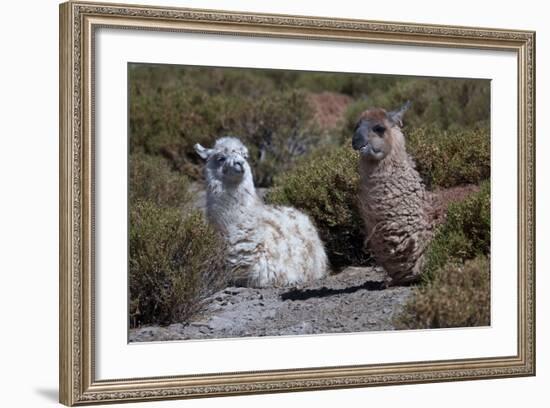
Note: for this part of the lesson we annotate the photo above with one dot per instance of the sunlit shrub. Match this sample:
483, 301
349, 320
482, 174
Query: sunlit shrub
170, 113
458, 296
450, 158
325, 187
176, 260
465, 234
151, 178
442, 103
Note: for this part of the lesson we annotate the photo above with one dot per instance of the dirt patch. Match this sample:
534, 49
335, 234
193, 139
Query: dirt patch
354, 300
442, 197
328, 107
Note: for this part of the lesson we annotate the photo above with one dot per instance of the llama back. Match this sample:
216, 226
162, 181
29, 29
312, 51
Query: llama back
305, 254
280, 247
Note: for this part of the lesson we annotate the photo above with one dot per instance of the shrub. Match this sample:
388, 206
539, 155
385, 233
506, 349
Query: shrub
450, 158
278, 129
465, 234
167, 119
354, 84
175, 262
172, 108
455, 289
458, 296
150, 178
443, 103
325, 187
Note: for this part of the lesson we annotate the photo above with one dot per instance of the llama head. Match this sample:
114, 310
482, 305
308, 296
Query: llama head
226, 161
378, 132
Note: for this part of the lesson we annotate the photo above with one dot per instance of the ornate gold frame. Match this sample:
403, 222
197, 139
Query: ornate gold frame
78, 21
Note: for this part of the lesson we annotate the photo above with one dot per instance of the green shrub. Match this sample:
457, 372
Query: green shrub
455, 287
450, 158
465, 234
442, 103
171, 109
174, 107
355, 84
325, 187
277, 129
150, 178
167, 119
458, 296
175, 261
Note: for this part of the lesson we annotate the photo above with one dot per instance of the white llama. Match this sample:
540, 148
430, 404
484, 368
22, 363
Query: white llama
268, 245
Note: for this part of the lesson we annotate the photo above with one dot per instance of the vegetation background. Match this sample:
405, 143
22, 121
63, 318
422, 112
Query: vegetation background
297, 126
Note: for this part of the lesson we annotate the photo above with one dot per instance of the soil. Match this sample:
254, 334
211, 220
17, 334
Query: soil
442, 197
354, 300
328, 108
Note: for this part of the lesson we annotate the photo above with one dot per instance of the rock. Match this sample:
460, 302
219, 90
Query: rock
199, 323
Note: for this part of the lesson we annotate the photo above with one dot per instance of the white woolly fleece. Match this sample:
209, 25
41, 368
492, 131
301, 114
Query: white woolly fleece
268, 245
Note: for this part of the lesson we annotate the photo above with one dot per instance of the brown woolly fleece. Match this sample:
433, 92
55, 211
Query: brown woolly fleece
395, 208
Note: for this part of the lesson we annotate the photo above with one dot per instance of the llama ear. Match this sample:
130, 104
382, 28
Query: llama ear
396, 116
203, 152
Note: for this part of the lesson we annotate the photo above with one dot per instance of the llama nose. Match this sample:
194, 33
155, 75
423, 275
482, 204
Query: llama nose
239, 167
358, 141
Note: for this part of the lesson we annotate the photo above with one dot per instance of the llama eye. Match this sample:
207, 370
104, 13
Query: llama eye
221, 159
379, 129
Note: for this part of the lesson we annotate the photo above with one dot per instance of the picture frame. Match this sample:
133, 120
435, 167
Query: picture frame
79, 25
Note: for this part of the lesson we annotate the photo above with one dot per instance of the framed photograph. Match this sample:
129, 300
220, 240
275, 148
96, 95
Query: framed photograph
255, 203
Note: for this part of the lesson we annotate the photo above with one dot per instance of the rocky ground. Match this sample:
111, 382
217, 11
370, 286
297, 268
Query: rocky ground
354, 300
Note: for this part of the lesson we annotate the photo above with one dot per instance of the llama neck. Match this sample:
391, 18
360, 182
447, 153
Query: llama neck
231, 203
393, 164
394, 176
